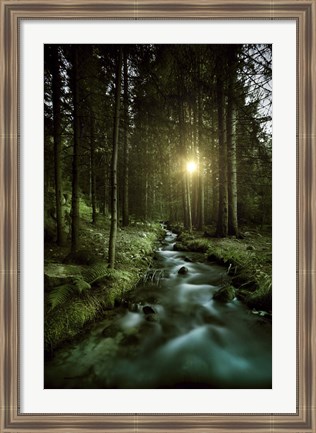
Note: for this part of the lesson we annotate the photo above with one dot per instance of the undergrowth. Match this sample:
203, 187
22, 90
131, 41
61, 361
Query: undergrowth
249, 261
91, 289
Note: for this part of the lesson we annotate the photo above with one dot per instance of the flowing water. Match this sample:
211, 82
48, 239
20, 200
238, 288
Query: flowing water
172, 334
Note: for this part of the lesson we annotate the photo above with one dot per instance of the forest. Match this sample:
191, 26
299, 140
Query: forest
158, 179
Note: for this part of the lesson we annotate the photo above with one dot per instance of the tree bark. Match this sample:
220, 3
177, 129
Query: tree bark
113, 230
182, 151
56, 90
75, 157
92, 170
201, 198
125, 210
222, 220
231, 147
232, 172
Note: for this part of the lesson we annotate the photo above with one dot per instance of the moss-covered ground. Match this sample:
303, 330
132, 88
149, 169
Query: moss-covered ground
248, 259
80, 288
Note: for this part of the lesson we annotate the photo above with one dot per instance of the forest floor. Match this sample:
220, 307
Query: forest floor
248, 260
80, 288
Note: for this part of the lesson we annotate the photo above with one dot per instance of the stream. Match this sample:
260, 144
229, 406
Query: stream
171, 334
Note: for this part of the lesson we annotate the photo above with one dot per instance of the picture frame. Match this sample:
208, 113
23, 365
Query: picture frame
11, 13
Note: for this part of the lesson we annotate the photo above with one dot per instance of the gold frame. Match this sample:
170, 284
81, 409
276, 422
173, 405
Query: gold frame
304, 13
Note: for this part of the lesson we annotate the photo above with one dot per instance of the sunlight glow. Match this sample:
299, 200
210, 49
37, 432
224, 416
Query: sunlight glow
191, 166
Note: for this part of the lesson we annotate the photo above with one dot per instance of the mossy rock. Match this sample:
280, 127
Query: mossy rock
225, 294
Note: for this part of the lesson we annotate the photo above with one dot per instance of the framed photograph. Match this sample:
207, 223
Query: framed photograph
157, 201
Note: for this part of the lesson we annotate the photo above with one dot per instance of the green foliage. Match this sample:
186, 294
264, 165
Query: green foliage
199, 245
69, 307
94, 273
69, 321
225, 294
60, 294
250, 258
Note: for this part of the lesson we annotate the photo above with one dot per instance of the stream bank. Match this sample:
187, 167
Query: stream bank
80, 288
248, 260
171, 332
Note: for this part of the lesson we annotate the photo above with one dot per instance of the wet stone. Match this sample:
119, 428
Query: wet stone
148, 310
183, 270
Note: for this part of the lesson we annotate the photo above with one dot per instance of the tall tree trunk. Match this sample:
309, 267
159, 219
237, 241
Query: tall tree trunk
214, 168
189, 188
200, 210
195, 152
125, 212
75, 158
231, 147
113, 231
56, 90
92, 171
232, 171
182, 151
222, 220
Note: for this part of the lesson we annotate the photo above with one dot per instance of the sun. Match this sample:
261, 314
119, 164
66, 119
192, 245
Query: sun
191, 166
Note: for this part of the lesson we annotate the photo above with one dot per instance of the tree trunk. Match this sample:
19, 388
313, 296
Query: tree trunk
222, 220
75, 158
232, 172
113, 231
231, 146
200, 210
182, 151
92, 171
56, 90
214, 168
125, 212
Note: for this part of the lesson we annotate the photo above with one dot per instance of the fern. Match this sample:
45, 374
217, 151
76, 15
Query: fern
81, 286
59, 295
95, 273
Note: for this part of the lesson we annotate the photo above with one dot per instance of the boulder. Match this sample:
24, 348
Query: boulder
148, 310
225, 294
183, 270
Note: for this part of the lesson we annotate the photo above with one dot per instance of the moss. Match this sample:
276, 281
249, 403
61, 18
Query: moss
249, 261
135, 246
225, 294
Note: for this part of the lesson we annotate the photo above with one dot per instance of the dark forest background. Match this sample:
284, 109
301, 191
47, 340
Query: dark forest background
136, 135
159, 106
